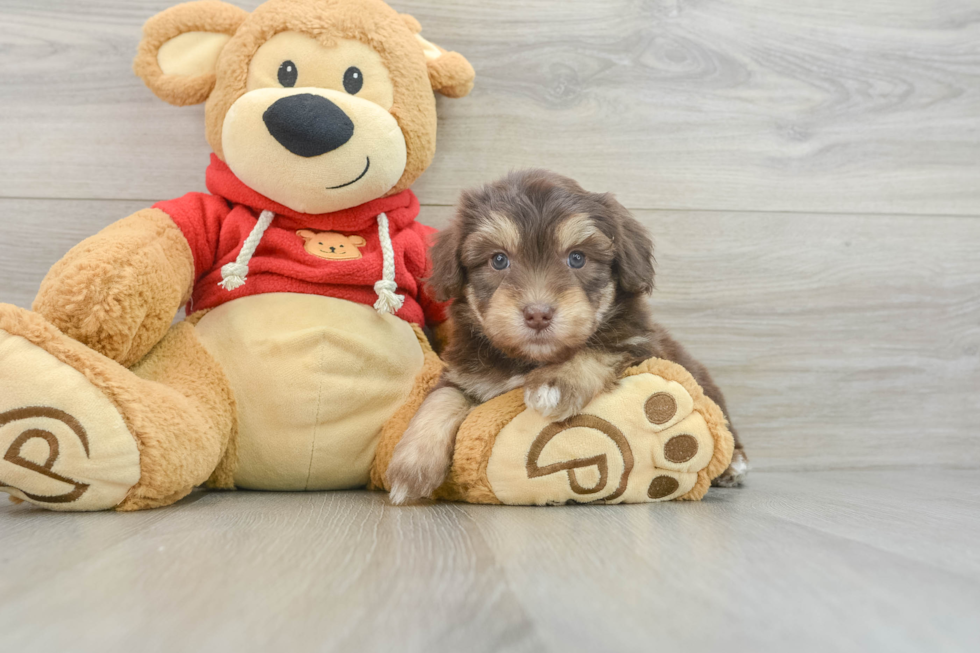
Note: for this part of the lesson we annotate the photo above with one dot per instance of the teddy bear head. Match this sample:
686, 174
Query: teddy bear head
319, 105
332, 246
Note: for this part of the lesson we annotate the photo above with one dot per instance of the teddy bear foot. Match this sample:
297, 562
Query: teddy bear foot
655, 437
63, 444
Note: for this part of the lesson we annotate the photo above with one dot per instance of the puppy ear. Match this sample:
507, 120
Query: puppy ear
634, 249
357, 241
447, 280
179, 52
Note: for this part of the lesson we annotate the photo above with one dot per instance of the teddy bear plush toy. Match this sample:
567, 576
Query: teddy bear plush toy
303, 355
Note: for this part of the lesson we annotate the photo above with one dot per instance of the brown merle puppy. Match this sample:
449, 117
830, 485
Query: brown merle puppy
549, 286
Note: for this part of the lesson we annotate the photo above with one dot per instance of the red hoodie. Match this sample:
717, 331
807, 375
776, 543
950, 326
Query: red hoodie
217, 225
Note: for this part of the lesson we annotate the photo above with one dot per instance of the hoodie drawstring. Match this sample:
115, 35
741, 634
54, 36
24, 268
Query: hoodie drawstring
388, 301
235, 274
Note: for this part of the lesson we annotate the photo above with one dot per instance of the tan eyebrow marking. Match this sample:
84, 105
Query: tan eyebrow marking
496, 229
575, 230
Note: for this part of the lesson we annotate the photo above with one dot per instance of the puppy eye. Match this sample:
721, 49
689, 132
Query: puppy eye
353, 80
499, 261
576, 260
288, 74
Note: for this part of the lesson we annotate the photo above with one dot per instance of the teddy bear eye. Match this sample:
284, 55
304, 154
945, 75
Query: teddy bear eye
353, 80
288, 74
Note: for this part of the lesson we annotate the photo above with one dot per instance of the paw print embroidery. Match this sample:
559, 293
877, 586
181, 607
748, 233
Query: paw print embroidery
331, 246
644, 441
25, 458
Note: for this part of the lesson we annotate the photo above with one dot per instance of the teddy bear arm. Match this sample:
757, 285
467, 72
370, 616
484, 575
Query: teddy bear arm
118, 291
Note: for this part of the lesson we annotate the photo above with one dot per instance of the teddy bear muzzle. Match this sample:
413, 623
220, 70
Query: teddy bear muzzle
313, 150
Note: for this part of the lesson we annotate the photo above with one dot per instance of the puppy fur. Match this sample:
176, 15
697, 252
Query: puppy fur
549, 286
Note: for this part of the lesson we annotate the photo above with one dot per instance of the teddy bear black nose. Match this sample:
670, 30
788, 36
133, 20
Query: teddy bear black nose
308, 125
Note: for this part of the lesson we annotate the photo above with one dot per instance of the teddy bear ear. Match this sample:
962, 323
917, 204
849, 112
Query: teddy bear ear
357, 241
178, 54
449, 72
305, 234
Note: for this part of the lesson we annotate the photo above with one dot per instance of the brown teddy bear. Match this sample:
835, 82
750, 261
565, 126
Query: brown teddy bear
303, 357
320, 114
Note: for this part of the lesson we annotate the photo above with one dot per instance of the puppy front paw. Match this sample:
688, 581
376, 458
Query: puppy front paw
543, 398
553, 398
735, 474
421, 460
415, 472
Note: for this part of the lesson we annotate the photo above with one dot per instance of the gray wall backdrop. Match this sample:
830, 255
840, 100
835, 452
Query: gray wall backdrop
810, 172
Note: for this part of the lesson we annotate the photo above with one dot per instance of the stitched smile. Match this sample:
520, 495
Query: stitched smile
354, 181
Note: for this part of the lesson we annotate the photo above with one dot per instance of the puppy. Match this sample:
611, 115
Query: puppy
549, 286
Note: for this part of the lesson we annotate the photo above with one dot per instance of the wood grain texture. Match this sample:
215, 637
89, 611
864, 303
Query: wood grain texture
820, 561
840, 341
835, 106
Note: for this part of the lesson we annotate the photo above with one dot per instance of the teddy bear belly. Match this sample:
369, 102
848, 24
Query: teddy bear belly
315, 378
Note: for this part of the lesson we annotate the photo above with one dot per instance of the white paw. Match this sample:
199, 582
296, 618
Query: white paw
409, 485
740, 467
736, 472
415, 472
545, 399
399, 494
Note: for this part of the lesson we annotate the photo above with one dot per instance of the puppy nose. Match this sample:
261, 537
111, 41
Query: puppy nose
538, 316
308, 125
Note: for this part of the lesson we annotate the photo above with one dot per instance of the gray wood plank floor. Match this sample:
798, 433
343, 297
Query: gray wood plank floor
821, 561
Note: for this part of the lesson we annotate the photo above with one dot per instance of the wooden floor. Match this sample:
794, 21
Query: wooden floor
810, 172
818, 561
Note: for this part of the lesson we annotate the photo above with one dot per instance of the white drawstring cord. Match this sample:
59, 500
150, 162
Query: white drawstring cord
234, 275
388, 301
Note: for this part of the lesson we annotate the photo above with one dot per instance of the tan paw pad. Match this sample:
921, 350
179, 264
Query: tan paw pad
63, 444
685, 447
